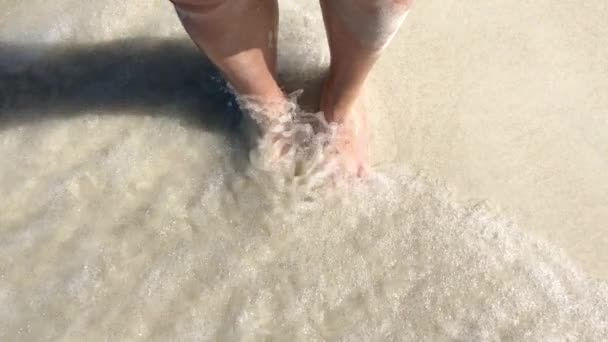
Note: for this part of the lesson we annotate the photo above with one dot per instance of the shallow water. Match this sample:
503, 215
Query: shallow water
130, 210
117, 228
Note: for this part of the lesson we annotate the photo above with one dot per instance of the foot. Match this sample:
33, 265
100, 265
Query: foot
271, 116
352, 139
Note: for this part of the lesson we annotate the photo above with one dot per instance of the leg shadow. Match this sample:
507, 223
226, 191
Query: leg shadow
136, 76
141, 75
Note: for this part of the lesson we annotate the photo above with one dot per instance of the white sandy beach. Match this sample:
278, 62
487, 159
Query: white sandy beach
129, 210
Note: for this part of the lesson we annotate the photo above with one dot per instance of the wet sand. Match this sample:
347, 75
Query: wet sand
507, 101
130, 211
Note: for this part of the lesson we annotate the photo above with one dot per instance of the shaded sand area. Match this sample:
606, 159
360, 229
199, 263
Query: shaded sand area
129, 209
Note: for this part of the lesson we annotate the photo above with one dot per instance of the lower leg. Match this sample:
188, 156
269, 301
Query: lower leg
239, 37
358, 31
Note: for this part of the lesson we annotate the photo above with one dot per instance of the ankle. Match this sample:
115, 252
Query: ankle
336, 103
339, 114
264, 110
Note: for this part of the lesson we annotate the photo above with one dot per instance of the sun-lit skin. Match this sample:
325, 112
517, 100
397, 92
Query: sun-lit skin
238, 36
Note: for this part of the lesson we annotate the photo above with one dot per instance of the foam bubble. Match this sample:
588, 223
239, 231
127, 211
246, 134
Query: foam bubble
292, 150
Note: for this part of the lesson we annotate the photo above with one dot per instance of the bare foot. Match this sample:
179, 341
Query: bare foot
271, 117
352, 140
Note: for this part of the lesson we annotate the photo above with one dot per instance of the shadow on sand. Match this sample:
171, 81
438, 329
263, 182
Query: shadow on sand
122, 77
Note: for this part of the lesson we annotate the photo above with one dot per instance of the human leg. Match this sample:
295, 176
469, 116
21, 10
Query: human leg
358, 31
239, 37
